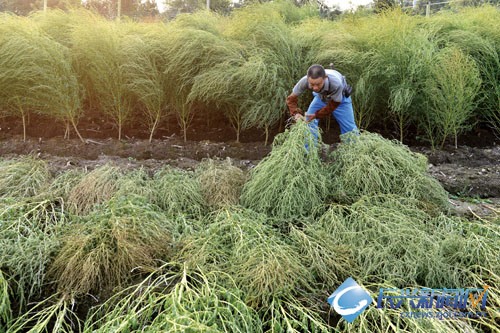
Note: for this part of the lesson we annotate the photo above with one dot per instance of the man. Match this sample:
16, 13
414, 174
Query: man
331, 94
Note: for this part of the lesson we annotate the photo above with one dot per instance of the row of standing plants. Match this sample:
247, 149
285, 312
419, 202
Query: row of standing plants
439, 76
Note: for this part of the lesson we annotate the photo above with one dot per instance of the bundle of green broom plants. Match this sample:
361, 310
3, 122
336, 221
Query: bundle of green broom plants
177, 298
135, 182
271, 272
220, 182
245, 245
30, 230
95, 187
372, 165
62, 185
24, 176
178, 192
291, 181
102, 248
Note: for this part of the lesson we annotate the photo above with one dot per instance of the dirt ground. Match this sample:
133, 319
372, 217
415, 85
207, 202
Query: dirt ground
466, 172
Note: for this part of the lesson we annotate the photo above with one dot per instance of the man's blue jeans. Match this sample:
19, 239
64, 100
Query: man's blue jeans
344, 114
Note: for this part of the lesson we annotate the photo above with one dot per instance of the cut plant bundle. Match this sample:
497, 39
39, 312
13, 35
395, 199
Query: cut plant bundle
243, 244
177, 299
178, 192
96, 187
23, 177
136, 182
102, 249
220, 182
281, 279
373, 165
29, 238
61, 186
291, 181
5, 311
403, 244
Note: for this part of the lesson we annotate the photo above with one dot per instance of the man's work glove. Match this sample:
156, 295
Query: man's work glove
292, 102
324, 111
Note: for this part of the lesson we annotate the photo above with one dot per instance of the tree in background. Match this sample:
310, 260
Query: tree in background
108, 8
190, 6
147, 8
381, 5
23, 7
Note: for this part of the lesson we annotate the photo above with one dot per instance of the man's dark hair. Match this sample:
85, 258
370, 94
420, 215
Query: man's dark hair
316, 71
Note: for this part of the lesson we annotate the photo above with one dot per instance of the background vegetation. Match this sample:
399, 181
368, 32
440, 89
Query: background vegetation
433, 77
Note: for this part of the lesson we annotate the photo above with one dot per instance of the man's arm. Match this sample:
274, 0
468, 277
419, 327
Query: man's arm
292, 102
324, 111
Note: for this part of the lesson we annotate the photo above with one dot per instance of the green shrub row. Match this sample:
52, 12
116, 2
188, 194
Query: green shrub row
439, 75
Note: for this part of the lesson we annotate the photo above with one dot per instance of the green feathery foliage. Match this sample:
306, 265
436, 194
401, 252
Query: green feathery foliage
475, 31
101, 250
94, 188
190, 51
143, 71
53, 314
225, 85
36, 74
244, 244
452, 90
274, 63
63, 183
178, 192
291, 181
176, 299
58, 24
99, 53
394, 239
220, 182
22, 177
135, 182
329, 263
372, 165
5, 311
29, 238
